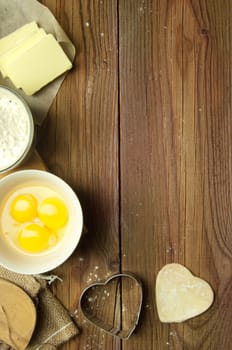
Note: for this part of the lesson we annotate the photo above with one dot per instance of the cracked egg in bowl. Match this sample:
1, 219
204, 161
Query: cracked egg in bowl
41, 221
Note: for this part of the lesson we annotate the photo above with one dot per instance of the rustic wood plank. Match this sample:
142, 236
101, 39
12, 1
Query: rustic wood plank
175, 104
80, 144
175, 134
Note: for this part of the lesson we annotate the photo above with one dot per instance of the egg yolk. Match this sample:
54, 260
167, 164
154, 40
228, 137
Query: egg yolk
53, 213
24, 208
34, 238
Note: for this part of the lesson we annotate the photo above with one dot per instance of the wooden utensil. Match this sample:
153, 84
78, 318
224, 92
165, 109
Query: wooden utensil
17, 315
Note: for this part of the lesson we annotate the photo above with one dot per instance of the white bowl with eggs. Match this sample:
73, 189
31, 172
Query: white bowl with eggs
41, 221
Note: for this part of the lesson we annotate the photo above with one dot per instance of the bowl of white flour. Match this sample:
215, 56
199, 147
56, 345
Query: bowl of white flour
16, 129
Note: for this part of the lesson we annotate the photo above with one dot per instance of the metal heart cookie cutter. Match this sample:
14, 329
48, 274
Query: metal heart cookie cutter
114, 305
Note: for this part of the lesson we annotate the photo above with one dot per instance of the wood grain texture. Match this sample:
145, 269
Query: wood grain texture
175, 105
80, 143
154, 175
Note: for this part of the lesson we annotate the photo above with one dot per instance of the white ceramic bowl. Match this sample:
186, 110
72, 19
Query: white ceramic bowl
14, 103
27, 263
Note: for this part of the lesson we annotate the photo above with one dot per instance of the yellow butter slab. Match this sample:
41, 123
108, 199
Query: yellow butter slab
11, 40
15, 52
38, 65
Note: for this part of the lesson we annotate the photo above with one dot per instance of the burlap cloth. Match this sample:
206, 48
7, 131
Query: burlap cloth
54, 324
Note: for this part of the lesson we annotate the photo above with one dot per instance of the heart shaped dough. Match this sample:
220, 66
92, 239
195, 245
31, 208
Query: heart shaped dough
180, 295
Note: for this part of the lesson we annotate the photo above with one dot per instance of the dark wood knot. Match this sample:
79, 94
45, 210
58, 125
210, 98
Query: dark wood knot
204, 31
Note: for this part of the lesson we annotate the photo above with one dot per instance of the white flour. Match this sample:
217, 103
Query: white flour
14, 129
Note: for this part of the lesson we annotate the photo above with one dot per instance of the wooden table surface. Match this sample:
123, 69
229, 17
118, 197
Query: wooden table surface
141, 129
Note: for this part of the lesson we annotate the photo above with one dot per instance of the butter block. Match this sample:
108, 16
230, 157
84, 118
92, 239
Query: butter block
24, 45
11, 40
38, 65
